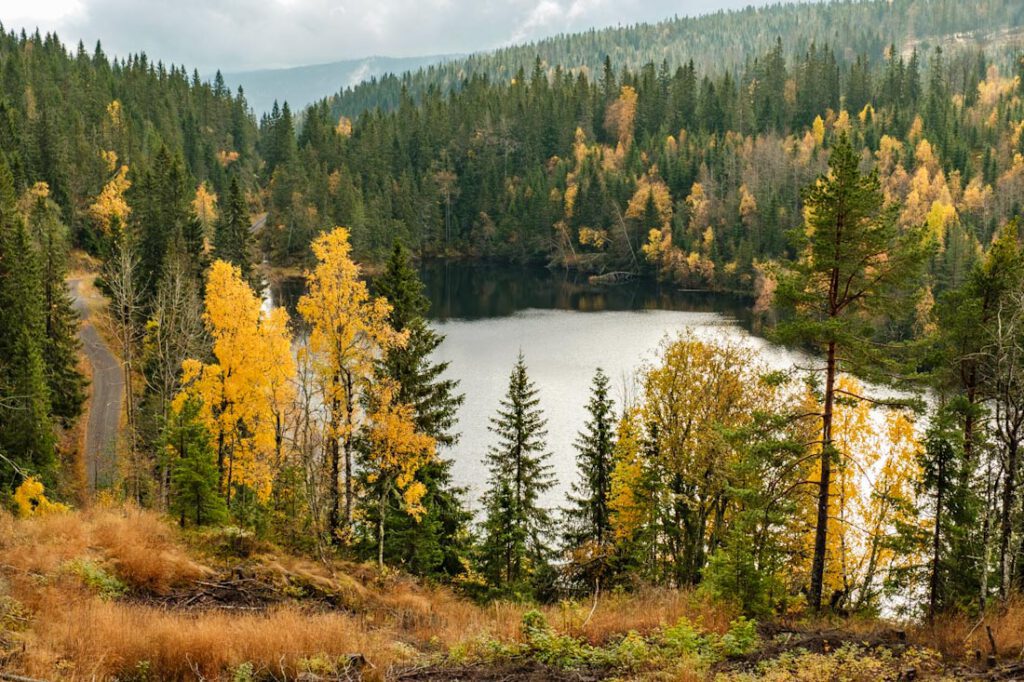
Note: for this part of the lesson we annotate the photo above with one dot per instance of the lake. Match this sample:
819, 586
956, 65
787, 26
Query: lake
566, 329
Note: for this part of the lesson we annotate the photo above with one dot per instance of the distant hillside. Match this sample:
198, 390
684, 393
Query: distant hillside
303, 85
726, 40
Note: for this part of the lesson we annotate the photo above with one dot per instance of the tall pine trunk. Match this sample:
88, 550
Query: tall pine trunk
821, 530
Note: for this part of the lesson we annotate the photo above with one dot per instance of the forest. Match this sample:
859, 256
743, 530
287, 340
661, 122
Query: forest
282, 470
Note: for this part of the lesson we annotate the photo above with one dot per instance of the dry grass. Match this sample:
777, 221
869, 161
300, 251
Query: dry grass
958, 637
76, 634
96, 640
72, 632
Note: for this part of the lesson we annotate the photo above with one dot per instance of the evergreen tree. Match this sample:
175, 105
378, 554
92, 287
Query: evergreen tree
232, 241
436, 543
954, 571
854, 265
513, 553
26, 432
60, 344
587, 522
195, 497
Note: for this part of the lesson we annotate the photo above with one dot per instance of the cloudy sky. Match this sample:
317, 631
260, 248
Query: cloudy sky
245, 34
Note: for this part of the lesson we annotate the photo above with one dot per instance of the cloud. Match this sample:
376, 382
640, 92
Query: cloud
243, 34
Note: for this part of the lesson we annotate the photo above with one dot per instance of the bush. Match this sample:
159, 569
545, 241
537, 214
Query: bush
97, 578
741, 639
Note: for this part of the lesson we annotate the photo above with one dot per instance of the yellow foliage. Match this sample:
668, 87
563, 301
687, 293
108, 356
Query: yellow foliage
246, 388
748, 205
621, 115
110, 210
866, 114
872, 493
109, 157
397, 450
818, 128
628, 504
344, 127
588, 236
225, 157
30, 499
842, 124
204, 205
649, 188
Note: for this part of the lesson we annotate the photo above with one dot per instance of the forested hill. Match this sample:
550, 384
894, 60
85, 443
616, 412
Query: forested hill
694, 173
80, 122
723, 40
303, 85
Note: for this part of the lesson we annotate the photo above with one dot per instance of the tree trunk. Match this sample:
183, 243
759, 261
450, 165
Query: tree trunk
821, 530
933, 586
349, 414
1006, 520
382, 504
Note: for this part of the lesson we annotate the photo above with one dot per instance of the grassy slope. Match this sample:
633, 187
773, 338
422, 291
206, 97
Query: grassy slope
118, 592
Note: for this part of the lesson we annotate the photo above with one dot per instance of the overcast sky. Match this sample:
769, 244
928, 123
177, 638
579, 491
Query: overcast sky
247, 34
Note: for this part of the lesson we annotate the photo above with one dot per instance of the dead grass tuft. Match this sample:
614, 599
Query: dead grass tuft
958, 637
144, 551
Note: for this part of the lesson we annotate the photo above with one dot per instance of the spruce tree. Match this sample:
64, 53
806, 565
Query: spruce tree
232, 241
514, 552
195, 496
60, 344
26, 431
436, 544
587, 521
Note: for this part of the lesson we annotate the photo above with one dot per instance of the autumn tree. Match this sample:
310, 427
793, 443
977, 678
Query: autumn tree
238, 390
349, 332
854, 265
395, 450
516, 528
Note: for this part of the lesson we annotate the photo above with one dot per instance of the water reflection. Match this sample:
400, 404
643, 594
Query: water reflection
461, 291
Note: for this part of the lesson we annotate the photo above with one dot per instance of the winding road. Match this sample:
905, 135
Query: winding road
104, 417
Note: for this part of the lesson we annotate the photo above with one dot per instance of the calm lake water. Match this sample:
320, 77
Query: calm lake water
566, 329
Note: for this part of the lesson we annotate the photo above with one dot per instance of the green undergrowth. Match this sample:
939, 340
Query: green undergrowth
684, 645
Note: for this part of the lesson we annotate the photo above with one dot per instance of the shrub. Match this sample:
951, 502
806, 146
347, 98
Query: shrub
97, 578
741, 639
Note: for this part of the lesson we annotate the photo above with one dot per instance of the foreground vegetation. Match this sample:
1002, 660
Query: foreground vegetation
117, 593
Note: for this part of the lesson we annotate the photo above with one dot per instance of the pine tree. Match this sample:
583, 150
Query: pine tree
232, 233
854, 265
195, 497
514, 550
587, 521
436, 543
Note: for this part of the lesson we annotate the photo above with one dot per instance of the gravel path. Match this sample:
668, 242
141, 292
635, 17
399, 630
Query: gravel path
104, 418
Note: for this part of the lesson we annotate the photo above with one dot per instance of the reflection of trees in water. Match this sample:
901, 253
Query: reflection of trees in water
476, 291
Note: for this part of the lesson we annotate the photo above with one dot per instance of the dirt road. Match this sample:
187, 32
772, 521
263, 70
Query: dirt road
104, 418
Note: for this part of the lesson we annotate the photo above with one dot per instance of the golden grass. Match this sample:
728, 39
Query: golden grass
959, 636
386, 618
93, 639
73, 633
